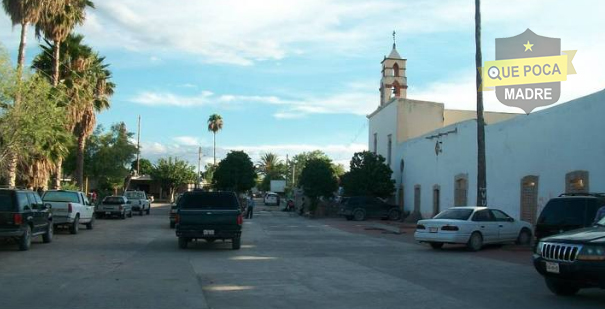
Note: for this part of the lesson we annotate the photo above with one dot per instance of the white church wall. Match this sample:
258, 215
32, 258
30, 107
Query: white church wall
384, 123
549, 144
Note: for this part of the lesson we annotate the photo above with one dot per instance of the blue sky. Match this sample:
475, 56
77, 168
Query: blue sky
293, 76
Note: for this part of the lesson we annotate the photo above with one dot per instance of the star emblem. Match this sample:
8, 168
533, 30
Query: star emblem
528, 46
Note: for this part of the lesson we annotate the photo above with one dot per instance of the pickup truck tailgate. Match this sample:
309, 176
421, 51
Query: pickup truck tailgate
207, 218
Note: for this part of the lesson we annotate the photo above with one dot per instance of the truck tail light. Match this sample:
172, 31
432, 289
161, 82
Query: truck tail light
449, 228
240, 220
70, 208
17, 219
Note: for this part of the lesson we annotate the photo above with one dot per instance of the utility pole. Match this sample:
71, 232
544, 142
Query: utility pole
287, 164
199, 167
138, 145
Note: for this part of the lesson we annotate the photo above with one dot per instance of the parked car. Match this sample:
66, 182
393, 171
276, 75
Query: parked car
271, 199
472, 226
139, 201
118, 206
573, 260
70, 208
173, 210
209, 216
567, 212
23, 215
359, 208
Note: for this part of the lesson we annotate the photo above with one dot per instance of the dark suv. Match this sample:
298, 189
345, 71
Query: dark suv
567, 212
362, 207
23, 215
573, 260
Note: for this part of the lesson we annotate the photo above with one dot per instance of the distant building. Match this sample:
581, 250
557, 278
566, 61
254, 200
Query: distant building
530, 159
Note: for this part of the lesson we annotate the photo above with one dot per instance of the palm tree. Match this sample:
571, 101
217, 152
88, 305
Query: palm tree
267, 163
22, 12
56, 24
87, 85
215, 123
481, 164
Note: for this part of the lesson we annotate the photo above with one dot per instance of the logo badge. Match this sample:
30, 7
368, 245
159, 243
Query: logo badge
528, 70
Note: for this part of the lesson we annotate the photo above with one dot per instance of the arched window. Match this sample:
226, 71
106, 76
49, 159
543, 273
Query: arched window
395, 69
460, 190
529, 198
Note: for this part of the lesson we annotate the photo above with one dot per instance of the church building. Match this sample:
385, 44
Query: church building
530, 158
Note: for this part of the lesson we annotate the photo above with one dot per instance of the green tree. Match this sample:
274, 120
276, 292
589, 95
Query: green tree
172, 173
86, 81
30, 132
317, 180
108, 156
272, 168
145, 166
299, 162
208, 174
56, 23
215, 124
236, 172
368, 175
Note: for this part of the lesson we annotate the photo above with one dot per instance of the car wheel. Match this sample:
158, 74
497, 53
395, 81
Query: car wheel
436, 245
48, 236
524, 237
91, 225
74, 228
349, 218
394, 215
210, 240
475, 243
25, 241
561, 288
236, 243
172, 225
183, 242
359, 215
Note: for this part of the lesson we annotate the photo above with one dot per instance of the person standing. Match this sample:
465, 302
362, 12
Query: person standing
250, 208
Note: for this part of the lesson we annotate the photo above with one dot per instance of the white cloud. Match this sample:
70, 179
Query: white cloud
243, 32
188, 140
356, 100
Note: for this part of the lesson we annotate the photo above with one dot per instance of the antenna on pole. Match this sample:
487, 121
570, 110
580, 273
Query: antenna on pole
139, 146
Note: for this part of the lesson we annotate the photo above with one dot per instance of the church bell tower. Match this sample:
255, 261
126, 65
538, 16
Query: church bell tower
394, 83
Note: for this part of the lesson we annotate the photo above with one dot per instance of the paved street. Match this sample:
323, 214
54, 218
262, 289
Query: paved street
285, 262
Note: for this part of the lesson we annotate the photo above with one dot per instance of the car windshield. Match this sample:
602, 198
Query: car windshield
61, 196
565, 211
135, 195
6, 201
208, 201
455, 214
113, 200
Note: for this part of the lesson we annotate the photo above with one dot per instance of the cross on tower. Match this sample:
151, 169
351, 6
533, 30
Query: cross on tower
394, 33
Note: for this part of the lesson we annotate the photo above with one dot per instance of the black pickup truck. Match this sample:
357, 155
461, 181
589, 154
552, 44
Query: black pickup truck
209, 216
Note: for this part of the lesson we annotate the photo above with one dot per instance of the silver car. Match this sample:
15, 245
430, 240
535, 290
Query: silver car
118, 206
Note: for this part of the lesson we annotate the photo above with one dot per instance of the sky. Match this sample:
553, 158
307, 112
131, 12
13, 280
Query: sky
298, 75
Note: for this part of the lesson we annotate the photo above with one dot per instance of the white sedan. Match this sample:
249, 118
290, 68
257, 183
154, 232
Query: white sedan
473, 226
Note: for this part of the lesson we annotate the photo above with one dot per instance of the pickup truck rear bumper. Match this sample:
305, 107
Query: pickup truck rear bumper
218, 234
62, 220
17, 232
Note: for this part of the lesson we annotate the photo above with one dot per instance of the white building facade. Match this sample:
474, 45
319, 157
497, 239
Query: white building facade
530, 158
